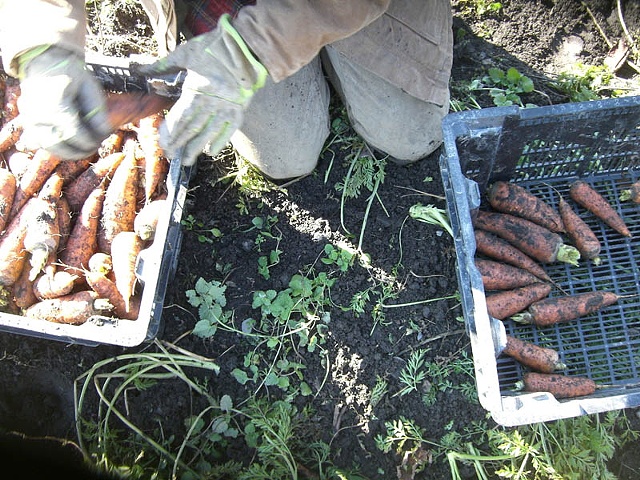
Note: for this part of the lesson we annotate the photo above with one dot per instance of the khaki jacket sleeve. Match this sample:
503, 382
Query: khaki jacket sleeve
287, 34
25, 24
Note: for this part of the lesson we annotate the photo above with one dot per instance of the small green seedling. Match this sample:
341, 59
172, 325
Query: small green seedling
431, 214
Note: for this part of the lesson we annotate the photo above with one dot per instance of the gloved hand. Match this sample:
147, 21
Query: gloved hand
222, 76
62, 106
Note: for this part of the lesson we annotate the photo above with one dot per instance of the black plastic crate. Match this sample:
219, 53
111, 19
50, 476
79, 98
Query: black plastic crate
544, 149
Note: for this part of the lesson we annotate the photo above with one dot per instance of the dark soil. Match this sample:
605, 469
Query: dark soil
37, 375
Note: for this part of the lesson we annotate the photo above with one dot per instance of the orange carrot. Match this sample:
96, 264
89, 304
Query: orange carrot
560, 386
83, 240
100, 262
536, 241
13, 256
34, 177
632, 193
508, 197
70, 169
550, 311
146, 220
8, 186
156, 164
119, 208
12, 92
506, 303
586, 196
75, 308
111, 144
502, 276
540, 359
22, 290
10, 133
498, 249
43, 232
78, 191
579, 233
130, 107
53, 284
124, 252
64, 221
107, 289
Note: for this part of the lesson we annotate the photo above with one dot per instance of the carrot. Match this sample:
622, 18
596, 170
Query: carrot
146, 220
536, 241
8, 185
53, 284
18, 162
124, 252
64, 222
130, 107
78, 191
75, 308
43, 233
107, 289
540, 359
10, 133
12, 92
100, 262
560, 386
70, 169
632, 193
579, 233
38, 171
550, 311
498, 249
83, 239
506, 303
13, 256
156, 164
111, 144
502, 276
119, 208
22, 290
586, 196
508, 197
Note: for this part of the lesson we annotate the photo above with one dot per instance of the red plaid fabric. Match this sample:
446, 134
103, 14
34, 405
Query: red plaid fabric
203, 15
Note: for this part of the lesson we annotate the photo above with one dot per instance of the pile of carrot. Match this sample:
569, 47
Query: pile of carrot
516, 234
68, 241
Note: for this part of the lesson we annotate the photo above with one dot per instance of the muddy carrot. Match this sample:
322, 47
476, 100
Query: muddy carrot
536, 241
505, 303
550, 311
540, 359
632, 193
156, 164
579, 233
75, 308
502, 276
111, 144
146, 220
560, 386
586, 196
43, 231
124, 252
119, 207
12, 92
34, 177
22, 290
107, 289
130, 107
508, 197
498, 249
10, 134
71, 169
64, 222
83, 239
8, 185
53, 284
78, 190
13, 256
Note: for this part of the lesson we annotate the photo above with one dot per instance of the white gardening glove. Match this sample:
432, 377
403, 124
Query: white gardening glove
62, 106
222, 76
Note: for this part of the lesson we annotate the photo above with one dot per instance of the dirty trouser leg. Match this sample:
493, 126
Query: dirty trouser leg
286, 124
387, 118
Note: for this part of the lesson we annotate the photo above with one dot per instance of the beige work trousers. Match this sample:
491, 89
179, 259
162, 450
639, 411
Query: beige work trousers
287, 124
